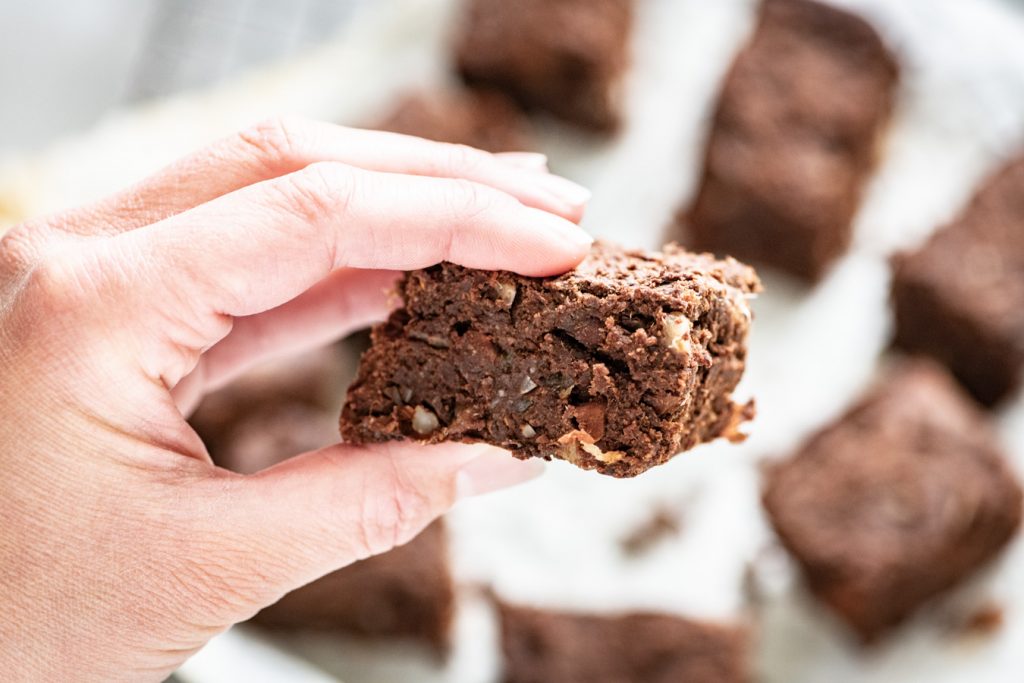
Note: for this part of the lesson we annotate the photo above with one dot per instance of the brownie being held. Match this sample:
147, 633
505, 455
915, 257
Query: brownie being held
615, 366
794, 139
899, 500
960, 297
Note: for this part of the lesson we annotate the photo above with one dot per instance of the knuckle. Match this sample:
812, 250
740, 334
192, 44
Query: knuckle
60, 280
20, 249
462, 160
394, 518
274, 141
319, 191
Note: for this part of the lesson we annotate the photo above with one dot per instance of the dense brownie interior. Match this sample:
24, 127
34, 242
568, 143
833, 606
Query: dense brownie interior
544, 647
897, 501
615, 366
794, 139
566, 57
960, 298
484, 119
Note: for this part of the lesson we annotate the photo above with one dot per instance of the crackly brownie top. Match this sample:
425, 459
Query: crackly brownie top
977, 263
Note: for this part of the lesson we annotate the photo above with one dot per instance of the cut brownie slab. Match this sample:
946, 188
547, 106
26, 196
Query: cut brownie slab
543, 647
899, 500
566, 57
615, 366
479, 118
794, 139
405, 593
960, 298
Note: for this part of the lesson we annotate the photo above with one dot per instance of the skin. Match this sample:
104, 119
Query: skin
123, 548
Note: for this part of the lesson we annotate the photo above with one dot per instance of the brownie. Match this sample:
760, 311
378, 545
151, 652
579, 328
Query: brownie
542, 647
794, 139
405, 593
899, 500
960, 298
479, 118
615, 366
565, 57
301, 384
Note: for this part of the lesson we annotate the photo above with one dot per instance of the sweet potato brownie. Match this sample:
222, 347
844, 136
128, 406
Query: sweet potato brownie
896, 502
566, 57
405, 593
479, 118
960, 298
794, 139
615, 366
544, 647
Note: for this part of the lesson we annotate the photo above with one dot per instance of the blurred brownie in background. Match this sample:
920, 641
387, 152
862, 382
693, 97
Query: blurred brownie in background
793, 140
540, 646
405, 593
960, 298
899, 500
287, 407
484, 119
565, 57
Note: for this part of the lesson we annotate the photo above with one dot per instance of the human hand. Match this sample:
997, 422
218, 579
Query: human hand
122, 548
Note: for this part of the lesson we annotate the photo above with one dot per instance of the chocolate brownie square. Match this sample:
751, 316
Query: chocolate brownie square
899, 500
565, 57
794, 139
479, 118
405, 593
960, 298
615, 366
542, 647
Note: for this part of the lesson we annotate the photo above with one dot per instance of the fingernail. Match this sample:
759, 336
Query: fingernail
571, 232
494, 471
528, 160
566, 190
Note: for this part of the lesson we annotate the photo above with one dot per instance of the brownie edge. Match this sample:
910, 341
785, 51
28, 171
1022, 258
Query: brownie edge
615, 366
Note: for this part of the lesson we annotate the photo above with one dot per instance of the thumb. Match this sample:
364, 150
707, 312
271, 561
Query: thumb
318, 512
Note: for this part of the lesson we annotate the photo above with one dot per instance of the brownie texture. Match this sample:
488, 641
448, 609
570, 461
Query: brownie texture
543, 647
899, 500
405, 593
485, 119
615, 366
960, 298
565, 57
793, 140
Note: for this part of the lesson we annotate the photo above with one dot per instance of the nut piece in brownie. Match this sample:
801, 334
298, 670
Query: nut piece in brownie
615, 366
794, 139
898, 501
565, 57
405, 593
484, 119
542, 647
960, 298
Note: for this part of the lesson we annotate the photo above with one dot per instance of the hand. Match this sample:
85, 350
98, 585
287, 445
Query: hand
122, 548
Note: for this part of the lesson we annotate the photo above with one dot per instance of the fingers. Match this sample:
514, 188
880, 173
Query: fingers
346, 301
321, 511
264, 245
281, 146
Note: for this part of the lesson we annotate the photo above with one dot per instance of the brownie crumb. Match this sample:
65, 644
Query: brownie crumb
660, 526
615, 366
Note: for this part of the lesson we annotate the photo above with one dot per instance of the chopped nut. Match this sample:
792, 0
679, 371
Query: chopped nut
431, 340
406, 394
527, 386
676, 328
506, 293
424, 421
566, 392
528, 431
392, 393
608, 458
